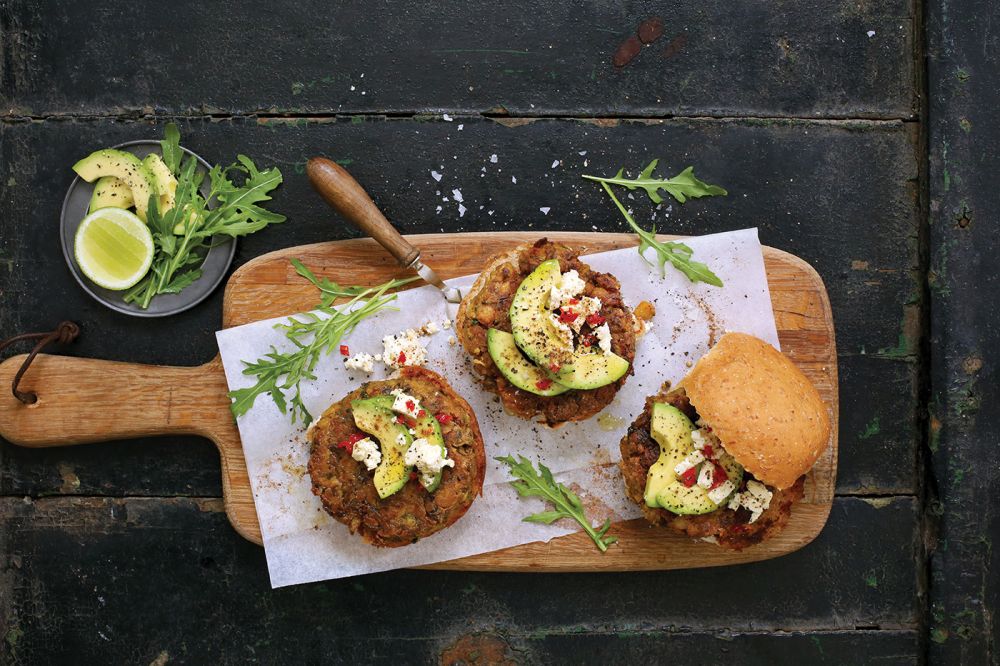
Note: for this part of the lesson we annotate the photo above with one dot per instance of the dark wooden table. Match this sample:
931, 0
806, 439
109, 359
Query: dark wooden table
857, 134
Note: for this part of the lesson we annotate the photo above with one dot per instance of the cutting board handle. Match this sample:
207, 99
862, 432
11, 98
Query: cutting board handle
346, 195
85, 400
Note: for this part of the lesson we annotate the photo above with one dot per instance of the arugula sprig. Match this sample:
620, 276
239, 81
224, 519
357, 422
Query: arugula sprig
313, 335
330, 291
532, 483
675, 252
236, 211
681, 187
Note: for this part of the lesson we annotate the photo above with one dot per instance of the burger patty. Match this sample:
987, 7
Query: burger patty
731, 529
347, 489
489, 307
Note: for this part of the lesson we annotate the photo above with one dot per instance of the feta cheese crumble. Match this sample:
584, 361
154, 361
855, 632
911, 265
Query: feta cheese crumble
570, 285
428, 458
405, 404
693, 459
362, 362
430, 328
603, 338
755, 499
367, 452
403, 348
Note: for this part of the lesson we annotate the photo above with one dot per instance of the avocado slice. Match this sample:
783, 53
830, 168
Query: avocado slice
122, 165
109, 192
672, 431
529, 317
375, 417
590, 370
518, 370
166, 184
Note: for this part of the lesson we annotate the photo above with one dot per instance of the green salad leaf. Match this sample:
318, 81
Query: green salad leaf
311, 336
541, 483
235, 192
682, 187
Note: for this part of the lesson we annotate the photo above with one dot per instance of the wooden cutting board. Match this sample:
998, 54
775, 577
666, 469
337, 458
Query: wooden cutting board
78, 404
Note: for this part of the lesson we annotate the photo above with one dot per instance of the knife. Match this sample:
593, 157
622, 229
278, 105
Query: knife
346, 195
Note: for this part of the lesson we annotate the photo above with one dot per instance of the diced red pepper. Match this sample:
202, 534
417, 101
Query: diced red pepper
348, 444
543, 384
588, 340
421, 414
400, 419
595, 320
719, 476
574, 301
410, 405
401, 359
553, 367
568, 316
444, 419
344, 351
708, 451
690, 477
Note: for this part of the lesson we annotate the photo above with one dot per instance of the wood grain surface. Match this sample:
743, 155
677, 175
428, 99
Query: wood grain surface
83, 400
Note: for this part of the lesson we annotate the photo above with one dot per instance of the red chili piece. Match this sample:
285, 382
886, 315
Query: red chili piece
400, 419
410, 405
595, 320
708, 451
553, 367
588, 340
348, 444
690, 477
344, 351
421, 414
444, 419
543, 384
568, 316
574, 301
719, 476
401, 359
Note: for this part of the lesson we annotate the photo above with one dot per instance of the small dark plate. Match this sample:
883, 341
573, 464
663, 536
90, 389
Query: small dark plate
214, 266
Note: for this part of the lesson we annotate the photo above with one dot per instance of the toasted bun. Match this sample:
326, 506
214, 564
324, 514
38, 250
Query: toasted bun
765, 411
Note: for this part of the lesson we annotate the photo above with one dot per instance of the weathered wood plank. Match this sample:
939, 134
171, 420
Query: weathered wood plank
858, 228
809, 58
964, 137
113, 578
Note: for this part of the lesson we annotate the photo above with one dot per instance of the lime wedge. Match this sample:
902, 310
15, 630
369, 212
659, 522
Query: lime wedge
114, 248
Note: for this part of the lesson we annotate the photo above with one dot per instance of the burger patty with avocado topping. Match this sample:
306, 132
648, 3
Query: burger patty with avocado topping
550, 336
398, 460
723, 455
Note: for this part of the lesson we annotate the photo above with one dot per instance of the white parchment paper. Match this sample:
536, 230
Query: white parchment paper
304, 544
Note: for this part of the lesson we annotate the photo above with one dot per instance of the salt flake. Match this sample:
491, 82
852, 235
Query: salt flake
436, 176
545, 209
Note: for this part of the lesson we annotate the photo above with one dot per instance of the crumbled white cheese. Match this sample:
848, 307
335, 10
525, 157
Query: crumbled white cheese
563, 331
405, 403
452, 341
755, 499
428, 459
604, 338
406, 343
583, 308
569, 286
722, 492
706, 476
367, 452
430, 328
694, 458
446, 323
362, 362
698, 438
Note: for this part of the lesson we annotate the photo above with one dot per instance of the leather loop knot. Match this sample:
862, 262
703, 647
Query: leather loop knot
65, 333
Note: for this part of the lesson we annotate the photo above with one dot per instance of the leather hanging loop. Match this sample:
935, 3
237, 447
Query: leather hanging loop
66, 332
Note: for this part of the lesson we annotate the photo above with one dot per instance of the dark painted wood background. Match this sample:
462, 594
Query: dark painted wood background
813, 114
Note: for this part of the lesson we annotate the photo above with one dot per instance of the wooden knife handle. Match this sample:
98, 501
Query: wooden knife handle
85, 400
346, 195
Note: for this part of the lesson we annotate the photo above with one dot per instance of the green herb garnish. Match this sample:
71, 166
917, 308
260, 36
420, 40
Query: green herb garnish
541, 483
314, 334
682, 187
236, 212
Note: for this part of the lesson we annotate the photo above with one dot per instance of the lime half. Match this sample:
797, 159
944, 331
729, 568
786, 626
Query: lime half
114, 248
